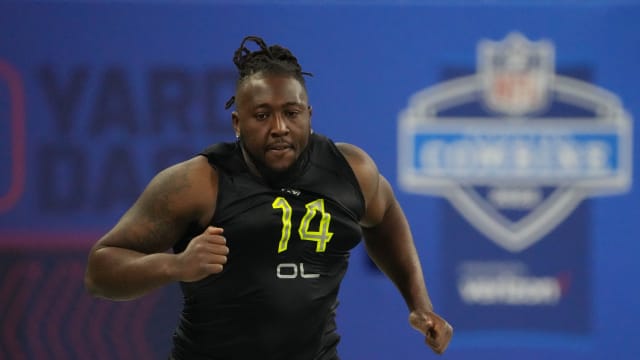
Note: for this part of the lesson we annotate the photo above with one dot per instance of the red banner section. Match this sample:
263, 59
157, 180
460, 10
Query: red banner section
46, 312
16, 114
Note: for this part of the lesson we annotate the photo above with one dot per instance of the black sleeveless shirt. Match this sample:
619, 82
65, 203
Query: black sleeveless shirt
288, 252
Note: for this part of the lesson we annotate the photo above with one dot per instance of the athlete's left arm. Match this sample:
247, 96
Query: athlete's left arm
390, 245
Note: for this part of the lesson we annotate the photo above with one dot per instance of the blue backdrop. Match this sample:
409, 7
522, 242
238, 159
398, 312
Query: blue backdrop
96, 97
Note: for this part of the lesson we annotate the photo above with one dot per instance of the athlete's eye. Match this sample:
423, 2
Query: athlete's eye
291, 114
262, 116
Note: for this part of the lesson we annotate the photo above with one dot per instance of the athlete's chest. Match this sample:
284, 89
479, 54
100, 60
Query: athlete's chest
290, 223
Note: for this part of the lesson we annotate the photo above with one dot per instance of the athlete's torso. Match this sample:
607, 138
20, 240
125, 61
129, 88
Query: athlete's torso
288, 252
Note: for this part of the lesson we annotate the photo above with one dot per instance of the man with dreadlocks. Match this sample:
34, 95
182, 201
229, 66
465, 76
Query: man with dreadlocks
261, 230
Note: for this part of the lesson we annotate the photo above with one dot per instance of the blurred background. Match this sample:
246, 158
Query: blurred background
505, 128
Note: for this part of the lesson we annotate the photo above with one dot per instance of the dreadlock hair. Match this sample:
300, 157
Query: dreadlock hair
273, 59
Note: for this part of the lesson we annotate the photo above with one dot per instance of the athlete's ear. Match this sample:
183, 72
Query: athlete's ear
235, 120
310, 110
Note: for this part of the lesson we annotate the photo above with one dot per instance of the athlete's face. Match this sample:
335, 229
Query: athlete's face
273, 119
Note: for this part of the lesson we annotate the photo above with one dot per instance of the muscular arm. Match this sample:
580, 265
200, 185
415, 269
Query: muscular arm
387, 235
132, 258
390, 245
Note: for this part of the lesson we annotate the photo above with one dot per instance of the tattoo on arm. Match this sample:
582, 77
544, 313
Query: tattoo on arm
161, 212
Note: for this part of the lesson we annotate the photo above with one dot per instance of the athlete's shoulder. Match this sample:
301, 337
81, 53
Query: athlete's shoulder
348, 151
221, 149
223, 155
359, 159
193, 173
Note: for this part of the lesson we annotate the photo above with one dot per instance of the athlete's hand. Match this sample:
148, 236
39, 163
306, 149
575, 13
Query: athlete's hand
205, 255
436, 330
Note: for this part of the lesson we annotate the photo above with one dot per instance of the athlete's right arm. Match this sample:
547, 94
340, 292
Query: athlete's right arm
132, 259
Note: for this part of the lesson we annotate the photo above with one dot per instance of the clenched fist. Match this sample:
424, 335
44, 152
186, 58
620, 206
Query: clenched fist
206, 254
436, 330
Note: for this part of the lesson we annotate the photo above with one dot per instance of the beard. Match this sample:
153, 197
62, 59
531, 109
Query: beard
274, 177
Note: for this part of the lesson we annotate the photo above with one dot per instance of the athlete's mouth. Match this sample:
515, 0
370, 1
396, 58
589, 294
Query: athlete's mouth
279, 147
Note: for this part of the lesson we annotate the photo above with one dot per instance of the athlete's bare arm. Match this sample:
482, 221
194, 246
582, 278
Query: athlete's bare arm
390, 245
132, 258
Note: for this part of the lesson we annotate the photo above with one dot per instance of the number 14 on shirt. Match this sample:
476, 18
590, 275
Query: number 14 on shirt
321, 236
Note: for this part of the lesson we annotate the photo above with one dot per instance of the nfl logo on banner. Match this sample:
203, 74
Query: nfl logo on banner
515, 75
515, 148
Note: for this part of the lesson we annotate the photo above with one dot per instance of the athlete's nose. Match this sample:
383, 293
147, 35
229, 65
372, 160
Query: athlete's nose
279, 125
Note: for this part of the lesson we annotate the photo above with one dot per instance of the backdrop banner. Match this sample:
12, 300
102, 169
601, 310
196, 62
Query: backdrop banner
506, 129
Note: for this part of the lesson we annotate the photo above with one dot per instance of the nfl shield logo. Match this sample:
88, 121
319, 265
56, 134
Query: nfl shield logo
499, 147
515, 74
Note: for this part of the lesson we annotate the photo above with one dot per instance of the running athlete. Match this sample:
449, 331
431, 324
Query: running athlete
261, 230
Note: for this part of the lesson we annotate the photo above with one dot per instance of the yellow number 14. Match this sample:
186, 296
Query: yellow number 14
322, 236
